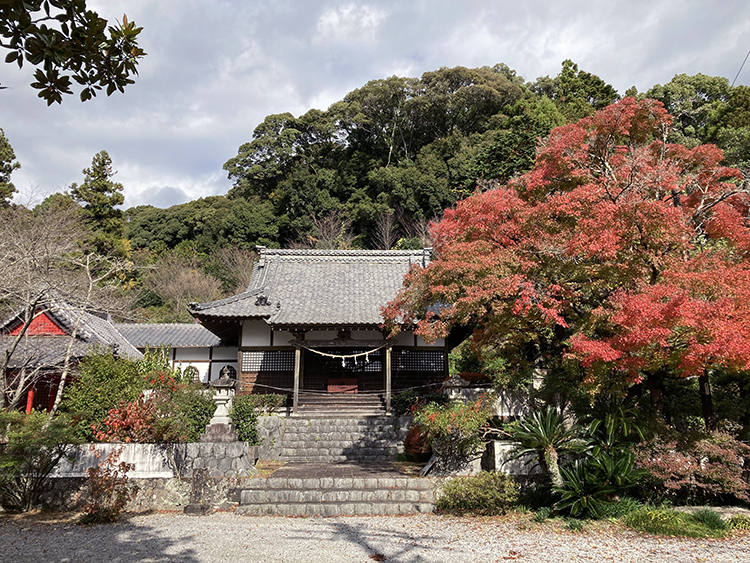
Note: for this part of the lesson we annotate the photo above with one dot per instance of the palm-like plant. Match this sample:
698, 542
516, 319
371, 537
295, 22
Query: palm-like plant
545, 434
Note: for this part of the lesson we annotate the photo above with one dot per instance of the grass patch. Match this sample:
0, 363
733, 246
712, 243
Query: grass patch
542, 514
664, 522
619, 508
739, 522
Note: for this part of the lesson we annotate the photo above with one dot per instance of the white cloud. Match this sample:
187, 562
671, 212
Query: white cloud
350, 23
214, 70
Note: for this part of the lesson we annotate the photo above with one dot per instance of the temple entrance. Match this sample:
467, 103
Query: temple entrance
325, 371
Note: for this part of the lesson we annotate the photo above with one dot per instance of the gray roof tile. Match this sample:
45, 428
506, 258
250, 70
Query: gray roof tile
173, 335
93, 331
318, 287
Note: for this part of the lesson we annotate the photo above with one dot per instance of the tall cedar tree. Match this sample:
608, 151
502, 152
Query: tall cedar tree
100, 197
618, 250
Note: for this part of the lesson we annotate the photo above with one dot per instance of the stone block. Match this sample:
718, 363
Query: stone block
412, 496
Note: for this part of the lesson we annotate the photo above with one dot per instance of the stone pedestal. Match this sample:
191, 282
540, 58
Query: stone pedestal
220, 433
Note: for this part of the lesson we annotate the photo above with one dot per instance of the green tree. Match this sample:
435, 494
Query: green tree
696, 103
576, 93
397, 143
65, 40
8, 164
100, 197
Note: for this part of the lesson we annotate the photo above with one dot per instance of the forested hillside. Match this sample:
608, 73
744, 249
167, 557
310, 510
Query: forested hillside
371, 171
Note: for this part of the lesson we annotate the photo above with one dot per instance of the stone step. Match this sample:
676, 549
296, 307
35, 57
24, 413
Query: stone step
335, 509
338, 404
336, 496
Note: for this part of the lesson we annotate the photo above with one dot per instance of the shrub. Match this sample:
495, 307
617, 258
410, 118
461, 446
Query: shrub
697, 470
455, 431
485, 494
195, 406
107, 490
145, 420
589, 484
671, 523
245, 418
545, 434
175, 414
408, 402
31, 453
104, 383
263, 403
416, 444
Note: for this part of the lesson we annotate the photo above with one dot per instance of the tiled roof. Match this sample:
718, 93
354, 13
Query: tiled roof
94, 330
173, 335
317, 287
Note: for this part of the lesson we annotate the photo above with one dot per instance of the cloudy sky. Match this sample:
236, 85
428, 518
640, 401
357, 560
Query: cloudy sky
215, 69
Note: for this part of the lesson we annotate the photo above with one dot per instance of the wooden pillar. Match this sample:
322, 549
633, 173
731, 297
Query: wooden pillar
388, 380
297, 365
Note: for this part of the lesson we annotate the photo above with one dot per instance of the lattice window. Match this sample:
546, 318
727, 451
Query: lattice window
370, 363
281, 360
419, 360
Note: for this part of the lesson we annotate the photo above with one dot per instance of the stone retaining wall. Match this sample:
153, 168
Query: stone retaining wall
165, 461
168, 476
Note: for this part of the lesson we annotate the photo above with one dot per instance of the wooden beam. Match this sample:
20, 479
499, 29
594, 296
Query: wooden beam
297, 365
388, 380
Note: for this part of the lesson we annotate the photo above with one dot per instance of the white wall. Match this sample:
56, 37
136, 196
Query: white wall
256, 333
405, 338
225, 353
192, 354
202, 368
367, 335
321, 335
282, 337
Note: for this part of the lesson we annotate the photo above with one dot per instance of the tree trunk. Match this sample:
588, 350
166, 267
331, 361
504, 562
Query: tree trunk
550, 460
707, 402
656, 391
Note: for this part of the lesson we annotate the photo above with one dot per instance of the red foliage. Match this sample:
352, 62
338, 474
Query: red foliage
142, 420
708, 467
632, 251
107, 489
417, 444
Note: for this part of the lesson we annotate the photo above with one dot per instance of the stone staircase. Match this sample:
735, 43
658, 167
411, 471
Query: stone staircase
336, 496
326, 440
341, 404
335, 465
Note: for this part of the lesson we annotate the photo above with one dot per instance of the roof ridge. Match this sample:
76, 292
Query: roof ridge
226, 301
353, 252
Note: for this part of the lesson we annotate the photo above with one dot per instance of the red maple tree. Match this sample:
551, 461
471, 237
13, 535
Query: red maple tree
618, 250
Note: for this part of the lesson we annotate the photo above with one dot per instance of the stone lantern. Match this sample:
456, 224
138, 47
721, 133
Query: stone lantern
221, 429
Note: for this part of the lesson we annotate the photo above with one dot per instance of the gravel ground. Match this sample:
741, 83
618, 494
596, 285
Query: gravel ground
227, 538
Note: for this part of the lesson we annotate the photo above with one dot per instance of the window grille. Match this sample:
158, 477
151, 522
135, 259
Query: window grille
281, 360
419, 360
